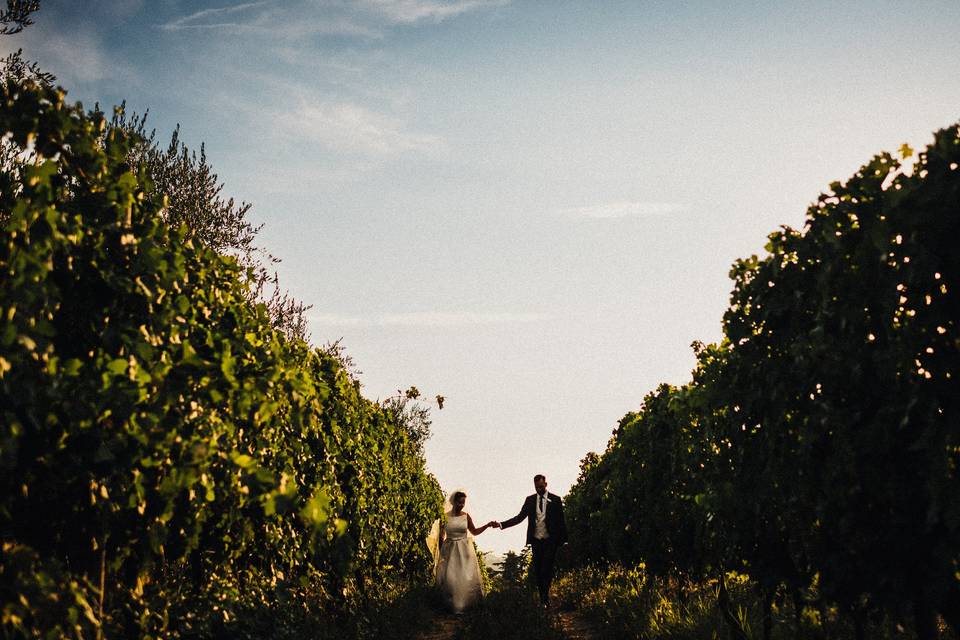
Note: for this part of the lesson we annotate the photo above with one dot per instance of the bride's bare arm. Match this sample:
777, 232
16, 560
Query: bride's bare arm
475, 531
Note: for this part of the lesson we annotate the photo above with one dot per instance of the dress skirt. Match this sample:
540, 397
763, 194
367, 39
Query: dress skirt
458, 569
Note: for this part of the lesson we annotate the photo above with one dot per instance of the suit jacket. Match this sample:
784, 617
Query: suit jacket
556, 525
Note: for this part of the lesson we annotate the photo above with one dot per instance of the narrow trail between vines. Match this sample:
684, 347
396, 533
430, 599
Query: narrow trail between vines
572, 624
443, 627
576, 627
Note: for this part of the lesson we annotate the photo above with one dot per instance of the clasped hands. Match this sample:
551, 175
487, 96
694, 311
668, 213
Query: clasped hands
494, 524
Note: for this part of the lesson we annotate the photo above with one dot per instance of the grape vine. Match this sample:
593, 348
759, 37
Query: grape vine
817, 446
167, 458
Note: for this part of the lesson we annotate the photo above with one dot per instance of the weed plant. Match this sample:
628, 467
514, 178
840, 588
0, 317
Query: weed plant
511, 612
628, 603
401, 617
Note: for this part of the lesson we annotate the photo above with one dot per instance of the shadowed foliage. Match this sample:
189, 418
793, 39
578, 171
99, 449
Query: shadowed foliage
817, 447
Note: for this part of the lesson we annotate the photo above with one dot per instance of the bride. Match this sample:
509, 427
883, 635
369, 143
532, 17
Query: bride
455, 559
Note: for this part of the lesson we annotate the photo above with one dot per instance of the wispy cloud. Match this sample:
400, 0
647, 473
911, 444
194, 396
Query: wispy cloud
316, 121
270, 19
411, 11
624, 209
309, 177
232, 17
353, 128
428, 319
74, 55
365, 18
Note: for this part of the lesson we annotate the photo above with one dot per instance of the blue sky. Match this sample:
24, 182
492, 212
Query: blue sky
528, 207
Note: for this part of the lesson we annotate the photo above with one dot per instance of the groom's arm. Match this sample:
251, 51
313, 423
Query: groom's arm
506, 524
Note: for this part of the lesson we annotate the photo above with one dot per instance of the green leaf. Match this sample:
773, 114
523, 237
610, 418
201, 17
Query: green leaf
226, 367
72, 366
242, 460
317, 510
117, 367
188, 355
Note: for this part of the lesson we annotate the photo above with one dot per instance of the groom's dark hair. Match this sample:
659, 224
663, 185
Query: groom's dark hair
539, 476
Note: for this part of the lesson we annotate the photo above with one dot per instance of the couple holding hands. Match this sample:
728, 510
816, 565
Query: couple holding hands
456, 566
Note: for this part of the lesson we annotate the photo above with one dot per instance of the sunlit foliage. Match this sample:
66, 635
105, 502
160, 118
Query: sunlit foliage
169, 460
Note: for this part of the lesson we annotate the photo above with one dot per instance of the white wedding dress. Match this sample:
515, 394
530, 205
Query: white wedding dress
458, 570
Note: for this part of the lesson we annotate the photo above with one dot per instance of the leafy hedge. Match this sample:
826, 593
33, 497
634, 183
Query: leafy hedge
167, 459
817, 447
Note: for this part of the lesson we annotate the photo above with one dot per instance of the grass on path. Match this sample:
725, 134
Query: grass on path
511, 613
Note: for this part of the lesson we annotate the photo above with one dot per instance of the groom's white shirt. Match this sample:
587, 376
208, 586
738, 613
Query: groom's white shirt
540, 526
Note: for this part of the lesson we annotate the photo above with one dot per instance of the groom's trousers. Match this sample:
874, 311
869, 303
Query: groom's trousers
544, 553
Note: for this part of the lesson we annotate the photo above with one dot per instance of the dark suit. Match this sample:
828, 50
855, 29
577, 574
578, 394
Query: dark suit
544, 550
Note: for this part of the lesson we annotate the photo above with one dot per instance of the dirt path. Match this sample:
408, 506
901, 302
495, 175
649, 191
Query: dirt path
444, 627
576, 627
573, 625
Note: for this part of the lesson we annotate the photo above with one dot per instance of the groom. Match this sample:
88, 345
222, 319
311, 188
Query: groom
546, 532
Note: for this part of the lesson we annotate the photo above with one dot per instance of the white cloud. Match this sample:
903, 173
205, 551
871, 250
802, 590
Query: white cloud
269, 19
624, 209
75, 56
428, 319
411, 11
308, 178
334, 319
312, 120
353, 128
81, 58
232, 17
365, 18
